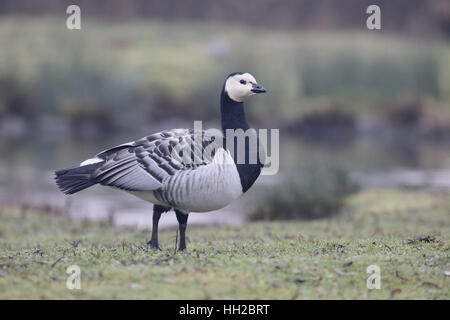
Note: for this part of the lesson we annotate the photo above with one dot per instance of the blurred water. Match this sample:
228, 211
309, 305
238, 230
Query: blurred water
27, 165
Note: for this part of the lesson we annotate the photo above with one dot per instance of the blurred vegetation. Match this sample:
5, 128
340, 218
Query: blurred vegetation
401, 16
126, 74
405, 233
331, 125
320, 194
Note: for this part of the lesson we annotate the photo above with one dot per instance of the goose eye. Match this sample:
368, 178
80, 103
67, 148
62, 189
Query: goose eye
243, 82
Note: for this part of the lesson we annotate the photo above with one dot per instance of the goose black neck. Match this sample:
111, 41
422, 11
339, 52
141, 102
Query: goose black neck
233, 115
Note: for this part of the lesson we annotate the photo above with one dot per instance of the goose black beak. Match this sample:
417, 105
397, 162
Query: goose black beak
256, 88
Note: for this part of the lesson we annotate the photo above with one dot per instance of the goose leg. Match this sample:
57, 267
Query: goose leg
157, 211
182, 222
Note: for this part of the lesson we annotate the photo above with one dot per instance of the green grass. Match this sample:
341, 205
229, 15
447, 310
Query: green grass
325, 259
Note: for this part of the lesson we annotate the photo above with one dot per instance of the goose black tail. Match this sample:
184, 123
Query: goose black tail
75, 179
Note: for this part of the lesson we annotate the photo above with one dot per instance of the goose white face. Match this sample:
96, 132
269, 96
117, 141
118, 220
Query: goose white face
241, 86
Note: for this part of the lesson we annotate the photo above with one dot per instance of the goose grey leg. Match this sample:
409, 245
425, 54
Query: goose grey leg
182, 222
157, 211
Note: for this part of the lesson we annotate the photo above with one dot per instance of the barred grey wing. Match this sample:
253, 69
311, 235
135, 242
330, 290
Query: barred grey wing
144, 164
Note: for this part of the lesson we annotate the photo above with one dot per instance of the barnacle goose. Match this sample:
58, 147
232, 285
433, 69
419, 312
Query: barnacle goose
155, 168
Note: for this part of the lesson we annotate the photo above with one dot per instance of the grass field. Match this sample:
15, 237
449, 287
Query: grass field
405, 233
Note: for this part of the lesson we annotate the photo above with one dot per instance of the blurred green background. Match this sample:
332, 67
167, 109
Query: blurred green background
164, 70
372, 103
159, 63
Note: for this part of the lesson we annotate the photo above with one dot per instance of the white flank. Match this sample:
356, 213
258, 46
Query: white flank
216, 185
207, 188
